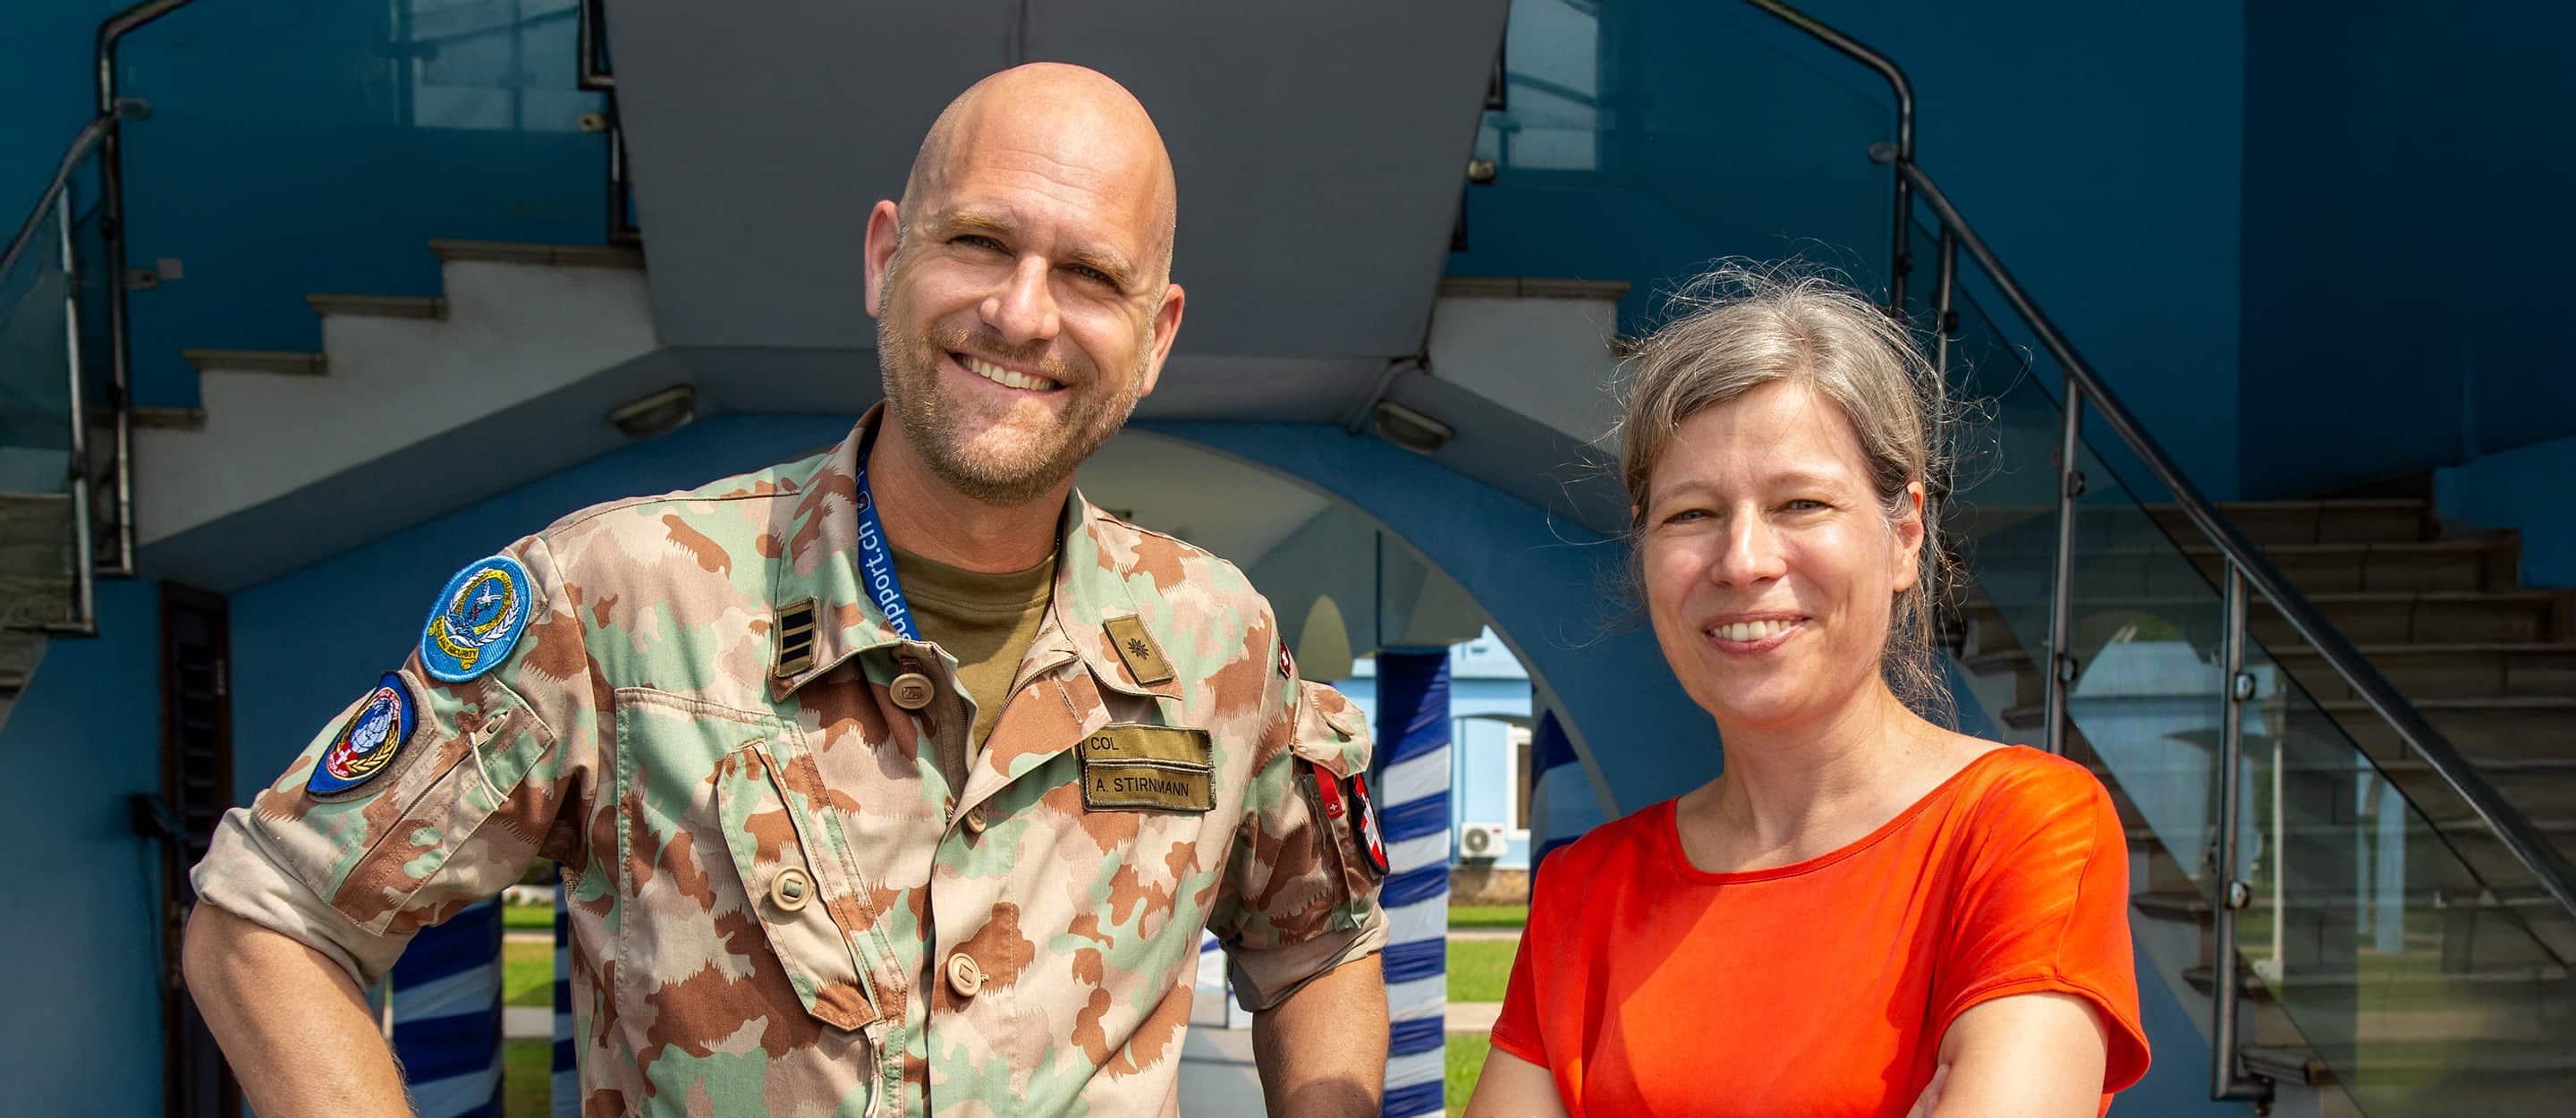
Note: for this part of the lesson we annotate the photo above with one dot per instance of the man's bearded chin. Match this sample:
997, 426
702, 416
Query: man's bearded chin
910, 368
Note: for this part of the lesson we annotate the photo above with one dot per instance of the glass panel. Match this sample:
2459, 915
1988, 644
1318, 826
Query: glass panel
2388, 930
35, 367
2400, 937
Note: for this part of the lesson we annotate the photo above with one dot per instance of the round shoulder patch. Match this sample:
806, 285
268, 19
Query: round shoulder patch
477, 619
364, 748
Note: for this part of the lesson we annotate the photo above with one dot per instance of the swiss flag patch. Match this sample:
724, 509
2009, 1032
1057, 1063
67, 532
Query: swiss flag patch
1370, 838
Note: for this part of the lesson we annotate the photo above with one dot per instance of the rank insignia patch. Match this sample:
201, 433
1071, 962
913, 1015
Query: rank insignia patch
365, 746
477, 620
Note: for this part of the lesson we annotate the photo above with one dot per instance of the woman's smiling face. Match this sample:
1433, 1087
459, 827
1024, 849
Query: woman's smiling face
1770, 566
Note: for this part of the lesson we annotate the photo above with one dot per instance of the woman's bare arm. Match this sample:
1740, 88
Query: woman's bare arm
2024, 1056
1511, 1087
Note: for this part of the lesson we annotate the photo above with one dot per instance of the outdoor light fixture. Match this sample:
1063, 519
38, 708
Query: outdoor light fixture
658, 414
1411, 429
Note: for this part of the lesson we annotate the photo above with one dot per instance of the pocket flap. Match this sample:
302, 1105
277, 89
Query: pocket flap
1332, 731
795, 886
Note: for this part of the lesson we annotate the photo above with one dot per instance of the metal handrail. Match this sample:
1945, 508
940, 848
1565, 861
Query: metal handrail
2244, 566
89, 137
2509, 825
1901, 254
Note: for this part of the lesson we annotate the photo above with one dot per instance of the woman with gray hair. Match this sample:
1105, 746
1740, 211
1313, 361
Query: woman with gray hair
1867, 913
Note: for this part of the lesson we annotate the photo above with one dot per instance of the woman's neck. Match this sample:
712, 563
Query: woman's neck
1793, 791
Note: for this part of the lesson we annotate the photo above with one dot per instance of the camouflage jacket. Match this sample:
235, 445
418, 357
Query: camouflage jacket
791, 892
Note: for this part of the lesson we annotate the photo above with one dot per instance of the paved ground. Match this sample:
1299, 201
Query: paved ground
1472, 1017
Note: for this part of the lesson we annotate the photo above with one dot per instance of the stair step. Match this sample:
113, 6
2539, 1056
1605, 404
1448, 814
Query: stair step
1530, 287
256, 361
2485, 562
2418, 671
2521, 726
514, 252
379, 306
2265, 523
36, 533
2278, 522
2402, 617
162, 418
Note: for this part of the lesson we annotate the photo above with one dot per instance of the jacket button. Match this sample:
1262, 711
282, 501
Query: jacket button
964, 976
911, 690
975, 822
791, 889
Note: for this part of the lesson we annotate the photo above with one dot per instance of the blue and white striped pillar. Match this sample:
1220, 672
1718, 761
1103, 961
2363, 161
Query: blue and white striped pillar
1562, 805
566, 1096
1412, 792
447, 1015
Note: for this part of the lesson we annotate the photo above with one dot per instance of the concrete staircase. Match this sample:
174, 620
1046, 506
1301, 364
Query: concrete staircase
527, 345
2400, 946
35, 584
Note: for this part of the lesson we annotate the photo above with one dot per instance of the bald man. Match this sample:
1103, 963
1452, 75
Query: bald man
896, 780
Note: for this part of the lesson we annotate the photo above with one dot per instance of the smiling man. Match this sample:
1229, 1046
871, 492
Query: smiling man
898, 780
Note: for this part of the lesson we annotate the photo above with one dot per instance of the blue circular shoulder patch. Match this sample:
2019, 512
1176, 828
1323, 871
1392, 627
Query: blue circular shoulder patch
366, 744
477, 620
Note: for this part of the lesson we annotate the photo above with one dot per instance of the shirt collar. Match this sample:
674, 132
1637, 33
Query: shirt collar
815, 536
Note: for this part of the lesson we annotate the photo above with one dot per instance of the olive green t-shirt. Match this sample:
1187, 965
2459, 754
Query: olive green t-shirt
985, 621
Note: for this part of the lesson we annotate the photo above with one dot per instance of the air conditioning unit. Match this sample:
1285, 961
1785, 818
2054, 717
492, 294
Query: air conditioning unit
1482, 842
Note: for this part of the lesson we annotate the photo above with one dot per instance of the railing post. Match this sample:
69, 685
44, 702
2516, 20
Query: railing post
84, 559
2061, 586
1945, 321
2226, 1079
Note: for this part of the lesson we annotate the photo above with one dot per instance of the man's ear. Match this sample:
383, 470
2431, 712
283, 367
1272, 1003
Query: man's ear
885, 231
1167, 326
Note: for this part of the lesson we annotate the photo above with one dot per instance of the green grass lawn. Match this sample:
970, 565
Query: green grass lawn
1464, 1056
527, 1070
1488, 915
528, 917
1479, 968
527, 974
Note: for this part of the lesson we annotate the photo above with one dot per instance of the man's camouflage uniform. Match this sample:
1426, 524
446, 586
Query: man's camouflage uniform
792, 896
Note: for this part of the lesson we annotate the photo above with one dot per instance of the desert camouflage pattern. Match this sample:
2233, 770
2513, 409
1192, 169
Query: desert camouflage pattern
642, 735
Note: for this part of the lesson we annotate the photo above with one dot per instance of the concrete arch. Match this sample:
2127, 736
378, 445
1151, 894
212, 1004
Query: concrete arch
1539, 579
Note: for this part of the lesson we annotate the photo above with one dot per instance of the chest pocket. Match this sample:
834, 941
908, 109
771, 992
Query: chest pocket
740, 788
794, 879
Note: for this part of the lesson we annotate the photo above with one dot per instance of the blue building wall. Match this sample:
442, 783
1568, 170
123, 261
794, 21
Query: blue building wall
2404, 274
82, 1031
307, 146
2532, 488
2097, 147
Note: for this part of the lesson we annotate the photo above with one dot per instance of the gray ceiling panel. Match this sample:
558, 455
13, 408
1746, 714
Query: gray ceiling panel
1320, 148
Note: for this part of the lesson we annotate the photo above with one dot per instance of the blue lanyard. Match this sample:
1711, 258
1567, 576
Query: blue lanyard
876, 564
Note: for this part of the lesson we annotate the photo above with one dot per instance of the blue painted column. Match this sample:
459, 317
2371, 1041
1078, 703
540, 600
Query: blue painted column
1562, 805
566, 1094
1412, 793
447, 1016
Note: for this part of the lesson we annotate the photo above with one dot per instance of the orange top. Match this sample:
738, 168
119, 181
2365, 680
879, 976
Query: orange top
1647, 986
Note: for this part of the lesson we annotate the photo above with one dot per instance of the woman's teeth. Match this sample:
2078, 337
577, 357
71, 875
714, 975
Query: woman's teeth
1747, 631
1005, 377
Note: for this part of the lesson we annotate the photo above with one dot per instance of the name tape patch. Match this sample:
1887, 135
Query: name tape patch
1133, 767
477, 620
365, 746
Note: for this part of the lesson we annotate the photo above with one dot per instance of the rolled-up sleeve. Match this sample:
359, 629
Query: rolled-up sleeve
475, 791
1300, 894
